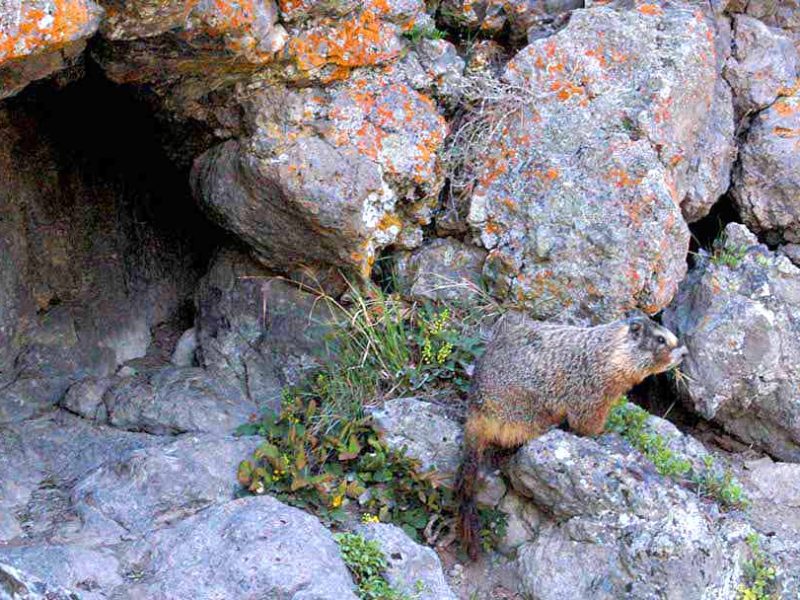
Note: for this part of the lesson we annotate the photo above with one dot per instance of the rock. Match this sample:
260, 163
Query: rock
792, 252
269, 333
784, 14
487, 16
620, 529
173, 400
413, 569
735, 313
40, 37
763, 64
523, 521
40, 461
251, 546
766, 182
16, 585
85, 398
576, 194
434, 67
328, 177
150, 488
424, 429
445, 269
90, 572
184, 353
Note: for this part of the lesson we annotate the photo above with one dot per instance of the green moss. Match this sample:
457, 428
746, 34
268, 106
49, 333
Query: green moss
630, 421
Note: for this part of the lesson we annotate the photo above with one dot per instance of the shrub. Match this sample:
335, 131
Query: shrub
759, 573
367, 563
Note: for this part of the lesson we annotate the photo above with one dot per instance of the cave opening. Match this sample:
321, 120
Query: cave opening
101, 242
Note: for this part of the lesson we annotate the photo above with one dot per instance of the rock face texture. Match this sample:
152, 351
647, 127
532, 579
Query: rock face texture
577, 195
736, 312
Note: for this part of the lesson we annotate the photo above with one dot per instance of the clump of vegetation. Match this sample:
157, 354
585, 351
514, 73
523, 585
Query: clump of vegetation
430, 32
494, 524
726, 256
759, 573
630, 421
322, 452
367, 563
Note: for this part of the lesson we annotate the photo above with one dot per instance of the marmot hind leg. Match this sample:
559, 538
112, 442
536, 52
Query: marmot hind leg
590, 422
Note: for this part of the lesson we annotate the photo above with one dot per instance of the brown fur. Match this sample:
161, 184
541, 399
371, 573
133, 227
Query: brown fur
535, 375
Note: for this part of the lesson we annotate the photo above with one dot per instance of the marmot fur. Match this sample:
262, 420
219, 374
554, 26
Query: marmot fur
535, 375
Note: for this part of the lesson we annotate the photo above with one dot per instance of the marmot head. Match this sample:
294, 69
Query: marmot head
655, 348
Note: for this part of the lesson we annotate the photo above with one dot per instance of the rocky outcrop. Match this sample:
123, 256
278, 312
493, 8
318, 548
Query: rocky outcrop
736, 314
577, 192
16, 585
40, 37
445, 269
619, 528
266, 331
765, 182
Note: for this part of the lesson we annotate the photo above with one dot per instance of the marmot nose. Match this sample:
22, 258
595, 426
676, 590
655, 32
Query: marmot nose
682, 351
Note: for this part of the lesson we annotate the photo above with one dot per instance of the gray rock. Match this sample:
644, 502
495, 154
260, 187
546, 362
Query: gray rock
16, 585
174, 400
445, 269
792, 252
85, 398
269, 333
434, 66
413, 569
327, 176
775, 13
763, 64
621, 530
185, 348
577, 192
154, 487
35, 46
735, 313
766, 181
254, 547
424, 429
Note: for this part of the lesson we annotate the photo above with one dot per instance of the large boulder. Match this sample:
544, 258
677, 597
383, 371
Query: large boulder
327, 176
266, 331
413, 569
17, 585
254, 546
736, 312
766, 181
40, 37
618, 529
764, 63
150, 488
590, 149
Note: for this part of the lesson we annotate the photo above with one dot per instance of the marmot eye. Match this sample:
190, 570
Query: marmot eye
661, 340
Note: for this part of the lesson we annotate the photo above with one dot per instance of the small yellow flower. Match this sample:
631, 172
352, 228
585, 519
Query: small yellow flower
337, 501
368, 518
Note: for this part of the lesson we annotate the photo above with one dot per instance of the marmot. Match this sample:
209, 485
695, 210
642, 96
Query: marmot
535, 375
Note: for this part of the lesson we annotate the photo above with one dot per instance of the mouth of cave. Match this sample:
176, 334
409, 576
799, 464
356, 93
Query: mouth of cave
110, 230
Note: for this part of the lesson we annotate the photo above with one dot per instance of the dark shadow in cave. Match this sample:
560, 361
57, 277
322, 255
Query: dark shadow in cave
710, 227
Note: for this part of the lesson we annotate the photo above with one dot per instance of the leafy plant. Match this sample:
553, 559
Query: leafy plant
760, 574
367, 563
417, 33
494, 526
724, 255
630, 421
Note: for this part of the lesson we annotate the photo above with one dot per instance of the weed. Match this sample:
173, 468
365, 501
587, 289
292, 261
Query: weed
760, 574
630, 421
417, 33
367, 563
494, 525
727, 256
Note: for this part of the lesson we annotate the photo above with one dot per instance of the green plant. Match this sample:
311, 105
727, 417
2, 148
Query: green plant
759, 573
494, 525
367, 563
630, 421
724, 254
350, 464
417, 33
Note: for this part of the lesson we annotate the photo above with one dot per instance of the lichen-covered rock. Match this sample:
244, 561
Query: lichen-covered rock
328, 176
267, 332
173, 400
766, 181
577, 194
250, 546
792, 252
445, 269
150, 488
434, 67
424, 429
736, 314
621, 530
39, 37
412, 569
763, 64
775, 13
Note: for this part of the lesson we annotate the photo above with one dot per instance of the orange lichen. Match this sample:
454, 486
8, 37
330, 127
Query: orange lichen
620, 178
39, 30
652, 10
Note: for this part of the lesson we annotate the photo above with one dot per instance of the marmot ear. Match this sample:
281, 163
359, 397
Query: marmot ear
635, 327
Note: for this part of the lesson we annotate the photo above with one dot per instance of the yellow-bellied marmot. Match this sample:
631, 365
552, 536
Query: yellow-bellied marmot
535, 375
